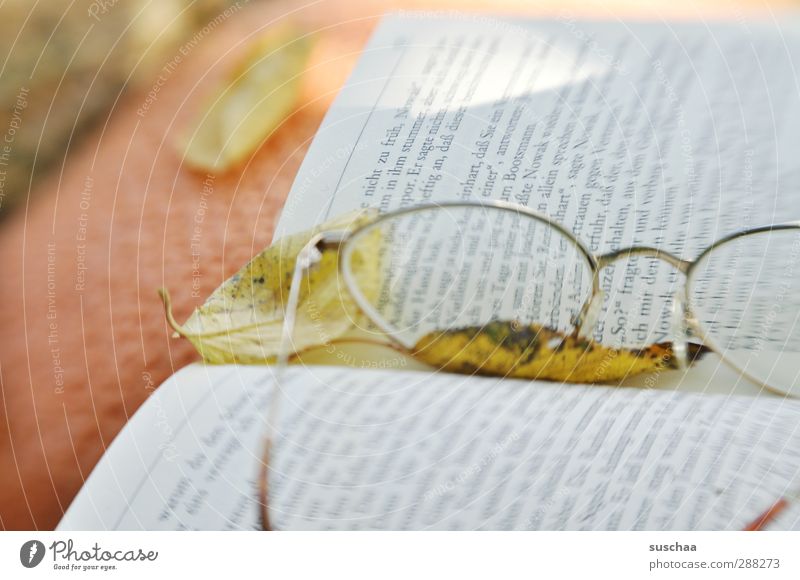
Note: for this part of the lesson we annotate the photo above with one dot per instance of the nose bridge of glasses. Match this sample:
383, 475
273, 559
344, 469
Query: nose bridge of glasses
673, 260
682, 323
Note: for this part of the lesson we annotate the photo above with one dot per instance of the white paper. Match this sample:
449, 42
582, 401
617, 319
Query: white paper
411, 450
684, 128
666, 134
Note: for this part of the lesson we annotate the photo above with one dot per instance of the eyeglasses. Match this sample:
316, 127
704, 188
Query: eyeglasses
496, 288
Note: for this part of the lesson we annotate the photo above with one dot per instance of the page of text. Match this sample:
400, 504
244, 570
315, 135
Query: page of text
414, 450
625, 133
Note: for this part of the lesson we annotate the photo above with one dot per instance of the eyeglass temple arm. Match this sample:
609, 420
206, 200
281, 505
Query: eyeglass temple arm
309, 256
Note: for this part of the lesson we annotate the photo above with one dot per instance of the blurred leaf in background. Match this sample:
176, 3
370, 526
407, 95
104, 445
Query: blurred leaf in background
64, 65
250, 103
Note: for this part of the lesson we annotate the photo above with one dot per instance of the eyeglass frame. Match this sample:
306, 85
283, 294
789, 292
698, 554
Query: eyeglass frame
343, 242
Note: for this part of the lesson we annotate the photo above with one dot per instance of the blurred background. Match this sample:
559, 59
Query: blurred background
66, 63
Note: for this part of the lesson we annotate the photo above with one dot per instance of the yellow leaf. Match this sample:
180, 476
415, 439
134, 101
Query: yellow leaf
242, 320
536, 352
252, 101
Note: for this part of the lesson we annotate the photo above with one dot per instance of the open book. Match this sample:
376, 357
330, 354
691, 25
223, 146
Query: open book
625, 133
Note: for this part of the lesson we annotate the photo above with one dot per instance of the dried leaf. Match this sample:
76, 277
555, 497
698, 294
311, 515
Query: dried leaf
257, 96
536, 352
242, 321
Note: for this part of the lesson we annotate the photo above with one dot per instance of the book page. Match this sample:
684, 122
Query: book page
625, 133
412, 450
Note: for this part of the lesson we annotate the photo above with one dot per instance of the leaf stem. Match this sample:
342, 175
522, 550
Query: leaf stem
167, 300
